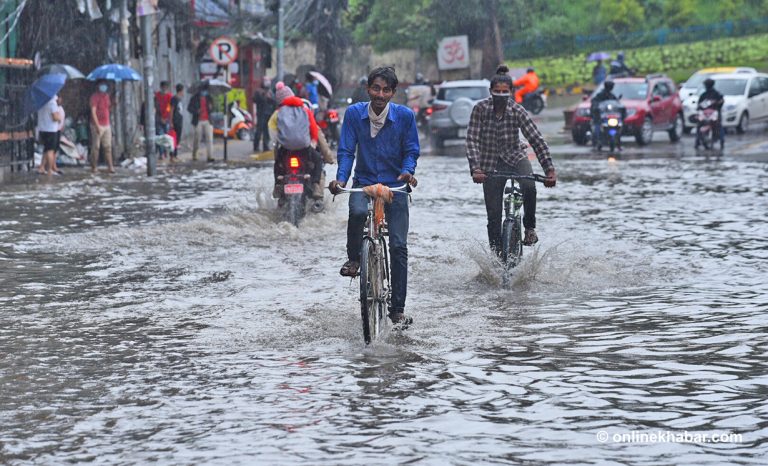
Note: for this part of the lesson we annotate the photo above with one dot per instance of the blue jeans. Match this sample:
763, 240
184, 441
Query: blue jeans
397, 224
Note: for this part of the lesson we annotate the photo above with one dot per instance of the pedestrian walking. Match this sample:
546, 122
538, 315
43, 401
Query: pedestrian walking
48, 127
163, 112
265, 105
101, 131
598, 73
200, 109
177, 118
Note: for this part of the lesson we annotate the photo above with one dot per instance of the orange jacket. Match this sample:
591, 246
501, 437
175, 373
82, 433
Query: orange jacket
529, 82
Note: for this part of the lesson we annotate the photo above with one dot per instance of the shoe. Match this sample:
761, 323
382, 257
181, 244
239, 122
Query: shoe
210, 160
530, 237
399, 319
349, 269
277, 191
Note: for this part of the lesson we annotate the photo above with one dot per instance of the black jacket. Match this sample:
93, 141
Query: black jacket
177, 117
194, 107
601, 96
712, 94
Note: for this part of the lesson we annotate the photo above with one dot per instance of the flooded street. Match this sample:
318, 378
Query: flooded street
177, 321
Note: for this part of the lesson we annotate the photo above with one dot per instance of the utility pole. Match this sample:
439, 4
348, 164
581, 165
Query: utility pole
149, 101
124, 100
280, 40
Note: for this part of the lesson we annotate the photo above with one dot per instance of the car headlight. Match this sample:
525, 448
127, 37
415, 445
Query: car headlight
631, 111
582, 112
728, 108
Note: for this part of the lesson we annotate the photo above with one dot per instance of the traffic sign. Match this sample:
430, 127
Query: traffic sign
223, 50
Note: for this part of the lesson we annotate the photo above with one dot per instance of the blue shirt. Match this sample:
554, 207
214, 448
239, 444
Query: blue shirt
312, 92
382, 159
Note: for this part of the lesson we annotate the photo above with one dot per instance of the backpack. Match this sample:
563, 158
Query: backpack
293, 128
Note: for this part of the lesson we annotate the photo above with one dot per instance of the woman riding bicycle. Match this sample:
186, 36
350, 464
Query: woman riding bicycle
385, 138
493, 144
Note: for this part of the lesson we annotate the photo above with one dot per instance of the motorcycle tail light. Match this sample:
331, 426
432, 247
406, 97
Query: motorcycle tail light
333, 114
294, 162
429, 111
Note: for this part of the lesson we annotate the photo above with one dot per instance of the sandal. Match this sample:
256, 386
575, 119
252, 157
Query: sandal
349, 269
530, 237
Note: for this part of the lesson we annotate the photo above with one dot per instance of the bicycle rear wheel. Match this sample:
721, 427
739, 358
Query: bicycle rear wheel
371, 289
511, 242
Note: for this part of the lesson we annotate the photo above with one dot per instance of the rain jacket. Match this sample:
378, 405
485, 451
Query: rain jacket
294, 102
528, 83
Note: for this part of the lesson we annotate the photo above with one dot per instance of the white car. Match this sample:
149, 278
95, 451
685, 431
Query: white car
452, 107
746, 99
693, 86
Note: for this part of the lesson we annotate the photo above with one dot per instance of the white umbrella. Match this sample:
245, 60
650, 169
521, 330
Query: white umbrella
323, 81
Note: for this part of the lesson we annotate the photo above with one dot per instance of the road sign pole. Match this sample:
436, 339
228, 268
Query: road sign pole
226, 116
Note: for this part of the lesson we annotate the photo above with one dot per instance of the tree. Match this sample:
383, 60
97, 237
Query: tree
621, 15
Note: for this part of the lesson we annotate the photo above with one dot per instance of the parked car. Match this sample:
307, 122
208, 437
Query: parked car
452, 107
746, 99
693, 86
652, 105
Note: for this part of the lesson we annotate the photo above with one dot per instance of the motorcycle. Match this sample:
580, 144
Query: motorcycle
534, 102
297, 184
706, 120
328, 121
611, 124
419, 98
240, 124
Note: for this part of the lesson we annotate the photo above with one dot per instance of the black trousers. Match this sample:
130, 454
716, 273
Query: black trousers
261, 133
493, 191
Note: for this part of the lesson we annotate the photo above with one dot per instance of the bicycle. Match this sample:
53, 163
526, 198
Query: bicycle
375, 290
512, 228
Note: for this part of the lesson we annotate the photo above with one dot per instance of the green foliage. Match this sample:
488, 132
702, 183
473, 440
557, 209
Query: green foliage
675, 60
621, 15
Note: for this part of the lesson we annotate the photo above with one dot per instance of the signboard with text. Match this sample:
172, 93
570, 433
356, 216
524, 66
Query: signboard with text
453, 53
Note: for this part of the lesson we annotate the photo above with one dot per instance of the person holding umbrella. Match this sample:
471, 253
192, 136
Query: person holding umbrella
101, 130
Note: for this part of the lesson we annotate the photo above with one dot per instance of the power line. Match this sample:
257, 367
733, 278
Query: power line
17, 14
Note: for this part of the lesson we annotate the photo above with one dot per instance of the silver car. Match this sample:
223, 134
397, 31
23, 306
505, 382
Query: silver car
452, 108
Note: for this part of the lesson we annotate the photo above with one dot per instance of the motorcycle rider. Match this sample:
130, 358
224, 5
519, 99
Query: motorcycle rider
310, 89
285, 97
618, 68
710, 93
605, 94
527, 84
361, 92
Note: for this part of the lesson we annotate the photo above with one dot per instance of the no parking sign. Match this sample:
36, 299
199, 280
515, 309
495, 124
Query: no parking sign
223, 51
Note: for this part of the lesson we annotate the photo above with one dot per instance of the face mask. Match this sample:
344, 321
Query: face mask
499, 99
103, 88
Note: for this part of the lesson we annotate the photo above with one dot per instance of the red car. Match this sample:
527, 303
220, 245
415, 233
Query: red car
652, 105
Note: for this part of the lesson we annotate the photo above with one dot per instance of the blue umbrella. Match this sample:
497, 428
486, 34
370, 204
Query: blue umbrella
114, 72
41, 91
598, 56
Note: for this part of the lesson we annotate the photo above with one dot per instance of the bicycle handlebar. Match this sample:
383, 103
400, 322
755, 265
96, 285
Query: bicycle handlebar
513, 176
399, 189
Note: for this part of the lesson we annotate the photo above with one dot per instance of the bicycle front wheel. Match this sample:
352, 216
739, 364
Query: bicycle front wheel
371, 287
511, 242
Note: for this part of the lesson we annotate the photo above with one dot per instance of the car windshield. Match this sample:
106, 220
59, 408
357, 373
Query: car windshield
627, 90
729, 86
453, 93
697, 80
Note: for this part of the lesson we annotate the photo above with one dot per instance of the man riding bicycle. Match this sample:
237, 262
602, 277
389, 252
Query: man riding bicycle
493, 144
386, 140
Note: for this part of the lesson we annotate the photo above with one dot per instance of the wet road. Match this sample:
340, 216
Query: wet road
178, 322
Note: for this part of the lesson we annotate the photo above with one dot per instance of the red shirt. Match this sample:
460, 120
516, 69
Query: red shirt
100, 100
163, 102
203, 108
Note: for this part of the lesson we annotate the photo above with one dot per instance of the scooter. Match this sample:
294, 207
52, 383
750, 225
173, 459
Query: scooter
706, 120
611, 124
296, 184
534, 102
240, 124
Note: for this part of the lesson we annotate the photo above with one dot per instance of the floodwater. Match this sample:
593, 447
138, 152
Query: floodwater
178, 322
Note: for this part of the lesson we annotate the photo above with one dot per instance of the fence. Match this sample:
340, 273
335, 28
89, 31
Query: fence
17, 142
567, 45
